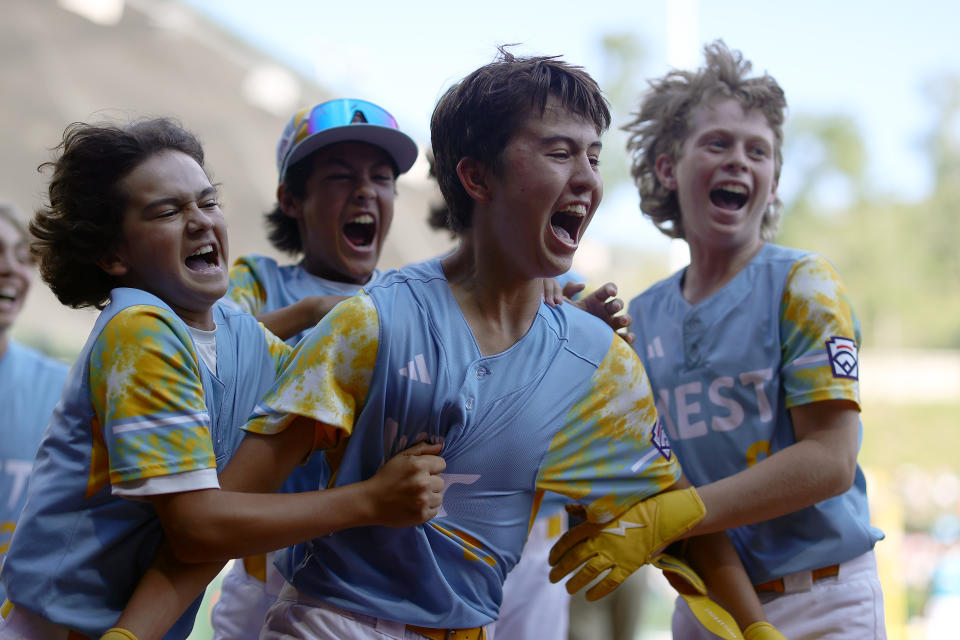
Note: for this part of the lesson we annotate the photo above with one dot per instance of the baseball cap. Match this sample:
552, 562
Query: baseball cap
339, 120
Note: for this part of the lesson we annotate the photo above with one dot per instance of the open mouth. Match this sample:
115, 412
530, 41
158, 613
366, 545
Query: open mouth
361, 230
729, 196
9, 295
566, 224
204, 258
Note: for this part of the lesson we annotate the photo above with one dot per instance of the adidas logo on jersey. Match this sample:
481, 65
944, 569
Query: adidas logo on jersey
655, 349
416, 369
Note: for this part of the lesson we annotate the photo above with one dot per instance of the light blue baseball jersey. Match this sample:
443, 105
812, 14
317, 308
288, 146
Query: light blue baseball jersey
30, 385
259, 285
726, 372
566, 409
138, 404
553, 505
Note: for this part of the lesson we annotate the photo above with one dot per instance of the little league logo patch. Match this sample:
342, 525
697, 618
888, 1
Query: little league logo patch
842, 353
660, 439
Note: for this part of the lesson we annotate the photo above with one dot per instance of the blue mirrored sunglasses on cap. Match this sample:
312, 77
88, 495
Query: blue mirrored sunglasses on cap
341, 120
339, 113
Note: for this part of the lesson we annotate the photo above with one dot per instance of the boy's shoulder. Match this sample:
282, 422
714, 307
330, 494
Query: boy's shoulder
583, 333
774, 254
426, 271
136, 308
255, 260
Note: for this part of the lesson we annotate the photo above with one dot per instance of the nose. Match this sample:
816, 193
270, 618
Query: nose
364, 191
586, 178
737, 160
199, 219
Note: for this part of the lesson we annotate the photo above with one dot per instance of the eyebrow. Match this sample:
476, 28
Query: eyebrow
548, 140
727, 132
178, 201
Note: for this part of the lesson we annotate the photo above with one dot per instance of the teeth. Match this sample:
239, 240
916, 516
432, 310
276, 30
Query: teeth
734, 188
8, 292
363, 218
575, 210
205, 249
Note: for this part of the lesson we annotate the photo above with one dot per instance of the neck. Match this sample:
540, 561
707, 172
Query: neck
711, 269
203, 321
499, 306
4, 343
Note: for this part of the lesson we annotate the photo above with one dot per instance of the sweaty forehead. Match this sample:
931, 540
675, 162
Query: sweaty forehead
559, 121
167, 174
727, 113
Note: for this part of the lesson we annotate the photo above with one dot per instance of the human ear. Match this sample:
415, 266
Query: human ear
113, 265
664, 168
473, 177
289, 203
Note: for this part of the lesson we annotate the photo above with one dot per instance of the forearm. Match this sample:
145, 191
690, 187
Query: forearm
303, 314
165, 591
406, 491
715, 559
288, 321
796, 477
246, 517
204, 526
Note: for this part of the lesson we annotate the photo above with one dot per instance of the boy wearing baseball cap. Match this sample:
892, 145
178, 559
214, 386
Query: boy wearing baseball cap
337, 163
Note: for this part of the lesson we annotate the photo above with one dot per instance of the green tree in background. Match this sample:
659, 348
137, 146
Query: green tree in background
622, 78
900, 261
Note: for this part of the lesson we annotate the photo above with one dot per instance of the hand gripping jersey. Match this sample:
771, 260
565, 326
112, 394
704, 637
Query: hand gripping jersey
565, 409
138, 404
30, 385
259, 285
727, 371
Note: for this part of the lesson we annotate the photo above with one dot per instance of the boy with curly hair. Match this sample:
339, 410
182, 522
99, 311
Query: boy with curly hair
150, 410
752, 354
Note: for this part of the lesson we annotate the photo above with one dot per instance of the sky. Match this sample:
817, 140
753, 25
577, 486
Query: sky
868, 60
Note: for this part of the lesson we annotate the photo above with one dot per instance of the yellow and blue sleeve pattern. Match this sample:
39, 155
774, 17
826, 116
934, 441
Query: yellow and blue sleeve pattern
278, 349
612, 451
328, 375
150, 418
820, 336
245, 288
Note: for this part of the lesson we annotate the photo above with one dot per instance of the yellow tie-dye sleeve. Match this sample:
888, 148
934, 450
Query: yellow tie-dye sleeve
816, 322
245, 288
150, 416
611, 451
278, 349
327, 376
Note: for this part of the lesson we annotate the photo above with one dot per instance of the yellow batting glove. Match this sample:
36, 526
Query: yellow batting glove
625, 543
118, 634
762, 631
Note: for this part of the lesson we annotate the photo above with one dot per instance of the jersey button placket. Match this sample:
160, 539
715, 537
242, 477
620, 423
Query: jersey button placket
692, 334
